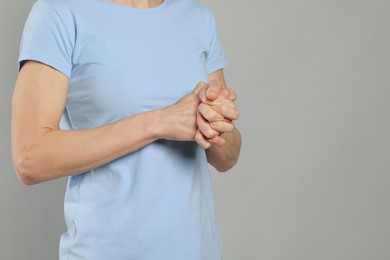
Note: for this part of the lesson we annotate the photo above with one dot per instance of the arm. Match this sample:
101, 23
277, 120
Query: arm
221, 155
225, 157
41, 151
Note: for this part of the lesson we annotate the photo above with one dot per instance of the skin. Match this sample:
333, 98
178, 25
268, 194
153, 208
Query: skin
139, 3
42, 152
215, 118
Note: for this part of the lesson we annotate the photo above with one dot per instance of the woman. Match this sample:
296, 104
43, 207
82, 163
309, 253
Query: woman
112, 94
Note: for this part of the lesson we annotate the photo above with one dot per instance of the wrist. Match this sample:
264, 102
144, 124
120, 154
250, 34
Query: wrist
157, 125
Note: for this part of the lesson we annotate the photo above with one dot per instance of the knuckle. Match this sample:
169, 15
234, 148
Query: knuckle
230, 128
237, 115
212, 117
225, 92
233, 114
210, 133
201, 141
216, 125
218, 117
223, 126
222, 110
233, 95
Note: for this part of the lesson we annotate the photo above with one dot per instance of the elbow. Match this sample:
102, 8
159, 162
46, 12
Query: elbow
222, 169
27, 179
226, 166
25, 170
228, 158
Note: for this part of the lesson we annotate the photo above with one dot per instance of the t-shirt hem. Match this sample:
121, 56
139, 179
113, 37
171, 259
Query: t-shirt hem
217, 66
65, 69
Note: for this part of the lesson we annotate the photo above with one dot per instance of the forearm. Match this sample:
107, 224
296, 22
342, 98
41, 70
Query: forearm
57, 153
225, 157
42, 152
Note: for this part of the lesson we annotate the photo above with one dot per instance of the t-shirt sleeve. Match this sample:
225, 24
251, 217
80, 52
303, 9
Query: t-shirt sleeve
215, 57
46, 39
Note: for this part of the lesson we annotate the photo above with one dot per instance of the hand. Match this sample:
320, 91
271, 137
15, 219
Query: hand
178, 121
215, 89
215, 114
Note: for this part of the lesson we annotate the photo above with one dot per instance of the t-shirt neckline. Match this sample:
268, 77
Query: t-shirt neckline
139, 10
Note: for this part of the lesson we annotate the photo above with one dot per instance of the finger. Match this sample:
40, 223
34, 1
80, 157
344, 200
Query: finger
201, 85
222, 126
225, 110
205, 127
201, 140
206, 143
217, 141
228, 94
209, 113
219, 111
213, 90
202, 95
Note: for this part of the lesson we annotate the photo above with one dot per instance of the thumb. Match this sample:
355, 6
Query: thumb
201, 85
214, 89
228, 94
202, 95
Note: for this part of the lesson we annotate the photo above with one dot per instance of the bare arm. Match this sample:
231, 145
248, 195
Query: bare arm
41, 151
225, 157
221, 155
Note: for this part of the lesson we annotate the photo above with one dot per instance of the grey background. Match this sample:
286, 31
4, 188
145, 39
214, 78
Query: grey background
313, 180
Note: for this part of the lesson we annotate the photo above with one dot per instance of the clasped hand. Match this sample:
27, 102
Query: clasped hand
203, 115
215, 114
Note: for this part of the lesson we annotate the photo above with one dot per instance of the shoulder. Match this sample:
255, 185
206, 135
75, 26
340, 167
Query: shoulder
194, 6
52, 15
53, 4
196, 11
59, 7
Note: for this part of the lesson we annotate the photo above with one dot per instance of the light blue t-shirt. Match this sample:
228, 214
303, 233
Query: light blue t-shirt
156, 203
